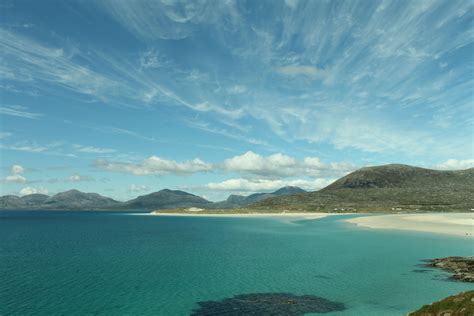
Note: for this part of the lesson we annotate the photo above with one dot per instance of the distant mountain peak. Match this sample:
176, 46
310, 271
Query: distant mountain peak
288, 190
167, 198
385, 176
240, 200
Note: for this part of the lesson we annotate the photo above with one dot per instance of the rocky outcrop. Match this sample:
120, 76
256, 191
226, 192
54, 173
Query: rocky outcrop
461, 267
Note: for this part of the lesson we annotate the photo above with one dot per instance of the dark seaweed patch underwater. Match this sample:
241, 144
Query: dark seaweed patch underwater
268, 304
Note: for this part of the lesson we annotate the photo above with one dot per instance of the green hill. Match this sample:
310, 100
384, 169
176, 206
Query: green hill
386, 188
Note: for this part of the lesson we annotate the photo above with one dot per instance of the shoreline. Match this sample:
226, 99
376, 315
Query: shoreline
301, 215
457, 224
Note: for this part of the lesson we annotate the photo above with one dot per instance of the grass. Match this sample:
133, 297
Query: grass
461, 304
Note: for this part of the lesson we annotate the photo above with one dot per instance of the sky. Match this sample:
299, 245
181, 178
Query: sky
125, 98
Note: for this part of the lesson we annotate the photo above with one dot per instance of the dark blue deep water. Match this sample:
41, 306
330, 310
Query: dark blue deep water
68, 263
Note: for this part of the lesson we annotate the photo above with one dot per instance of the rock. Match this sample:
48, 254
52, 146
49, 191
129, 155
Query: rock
461, 267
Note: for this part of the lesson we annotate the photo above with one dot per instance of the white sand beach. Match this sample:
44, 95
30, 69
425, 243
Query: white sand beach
460, 224
301, 215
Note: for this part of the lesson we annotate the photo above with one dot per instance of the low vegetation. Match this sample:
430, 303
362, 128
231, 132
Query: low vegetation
461, 304
390, 188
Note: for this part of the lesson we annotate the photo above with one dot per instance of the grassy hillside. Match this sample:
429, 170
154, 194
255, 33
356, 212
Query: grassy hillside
461, 304
386, 188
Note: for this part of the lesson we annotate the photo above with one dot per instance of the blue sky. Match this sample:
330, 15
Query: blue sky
217, 97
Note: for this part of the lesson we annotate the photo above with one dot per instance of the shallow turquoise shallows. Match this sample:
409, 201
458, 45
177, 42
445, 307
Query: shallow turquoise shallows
122, 264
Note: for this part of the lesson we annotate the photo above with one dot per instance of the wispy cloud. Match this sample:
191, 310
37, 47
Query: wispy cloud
156, 166
308, 71
237, 89
18, 111
28, 60
151, 59
168, 19
80, 178
25, 146
205, 126
105, 77
92, 149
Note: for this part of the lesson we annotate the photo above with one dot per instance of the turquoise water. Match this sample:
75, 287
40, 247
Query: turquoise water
121, 264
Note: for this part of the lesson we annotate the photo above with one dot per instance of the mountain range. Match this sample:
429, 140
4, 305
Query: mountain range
391, 187
164, 199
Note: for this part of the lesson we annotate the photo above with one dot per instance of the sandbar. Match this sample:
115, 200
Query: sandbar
460, 224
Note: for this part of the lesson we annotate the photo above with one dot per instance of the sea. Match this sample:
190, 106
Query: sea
104, 263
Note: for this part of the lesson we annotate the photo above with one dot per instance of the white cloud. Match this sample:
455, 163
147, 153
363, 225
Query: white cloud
266, 185
153, 59
93, 150
80, 178
138, 188
454, 164
19, 111
15, 176
17, 169
53, 65
308, 71
32, 148
27, 60
156, 166
385, 62
152, 20
249, 163
226, 133
237, 89
31, 190
280, 165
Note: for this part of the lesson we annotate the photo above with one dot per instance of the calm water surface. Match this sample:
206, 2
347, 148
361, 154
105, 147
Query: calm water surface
121, 264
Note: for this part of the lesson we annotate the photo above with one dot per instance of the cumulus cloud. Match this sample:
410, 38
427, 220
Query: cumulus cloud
260, 185
16, 175
280, 165
454, 164
17, 169
31, 190
16, 178
156, 166
80, 178
273, 166
138, 188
